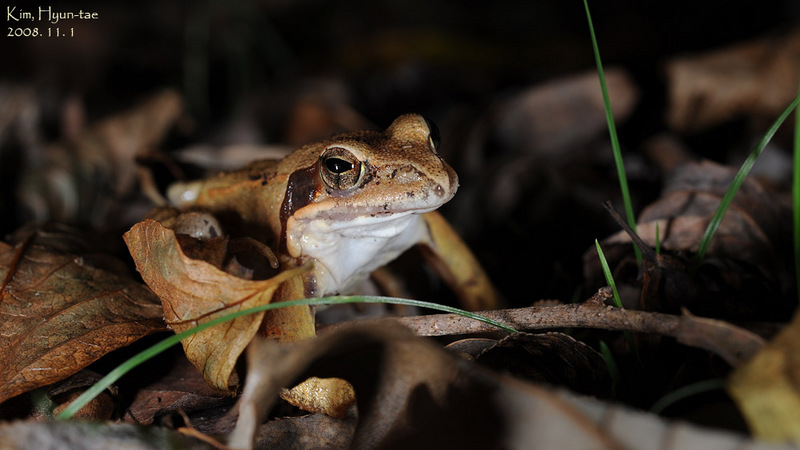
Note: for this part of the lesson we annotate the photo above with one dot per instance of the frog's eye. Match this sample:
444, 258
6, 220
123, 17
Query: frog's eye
434, 138
339, 168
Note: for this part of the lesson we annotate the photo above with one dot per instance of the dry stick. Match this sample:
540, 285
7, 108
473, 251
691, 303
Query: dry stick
734, 344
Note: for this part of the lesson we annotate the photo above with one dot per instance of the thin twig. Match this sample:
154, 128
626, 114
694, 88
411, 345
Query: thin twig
734, 344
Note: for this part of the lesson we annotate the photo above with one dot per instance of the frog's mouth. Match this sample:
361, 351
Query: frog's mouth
376, 222
356, 217
309, 231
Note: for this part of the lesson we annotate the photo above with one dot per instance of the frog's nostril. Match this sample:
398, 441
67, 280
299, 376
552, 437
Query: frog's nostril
447, 190
451, 174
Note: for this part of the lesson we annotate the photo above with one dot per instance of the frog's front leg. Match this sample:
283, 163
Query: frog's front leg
293, 323
454, 262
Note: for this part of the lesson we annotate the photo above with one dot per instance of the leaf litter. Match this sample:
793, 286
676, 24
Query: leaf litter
193, 291
53, 281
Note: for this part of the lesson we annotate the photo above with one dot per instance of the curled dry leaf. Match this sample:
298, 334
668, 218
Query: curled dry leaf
767, 387
634, 429
181, 389
707, 89
539, 138
561, 116
103, 407
83, 179
63, 307
330, 396
750, 227
93, 436
193, 291
307, 431
553, 358
411, 393
742, 265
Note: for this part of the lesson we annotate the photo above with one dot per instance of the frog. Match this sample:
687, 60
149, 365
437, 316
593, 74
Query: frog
345, 206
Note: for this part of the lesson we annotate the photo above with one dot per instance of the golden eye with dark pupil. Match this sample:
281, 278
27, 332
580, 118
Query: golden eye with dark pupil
337, 165
339, 168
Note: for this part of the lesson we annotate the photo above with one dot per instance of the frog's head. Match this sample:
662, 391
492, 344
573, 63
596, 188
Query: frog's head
362, 185
368, 175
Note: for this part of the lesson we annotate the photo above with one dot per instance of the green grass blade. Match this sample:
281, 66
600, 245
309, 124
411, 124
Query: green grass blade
719, 214
617, 300
685, 392
612, 131
611, 366
159, 347
607, 273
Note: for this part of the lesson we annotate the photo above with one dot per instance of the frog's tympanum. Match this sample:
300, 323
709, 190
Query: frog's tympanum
349, 204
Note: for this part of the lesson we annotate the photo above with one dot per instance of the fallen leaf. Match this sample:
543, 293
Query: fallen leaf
309, 431
182, 388
64, 307
92, 436
767, 387
470, 348
411, 393
552, 358
554, 120
193, 291
46, 402
709, 88
103, 407
634, 429
741, 267
695, 189
546, 128
321, 395
84, 179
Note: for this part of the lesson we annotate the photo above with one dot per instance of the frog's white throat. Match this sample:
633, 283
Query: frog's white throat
346, 252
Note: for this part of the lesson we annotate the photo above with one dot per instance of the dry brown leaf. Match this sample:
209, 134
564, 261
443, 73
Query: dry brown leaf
83, 179
103, 407
63, 308
308, 431
742, 264
321, 395
553, 358
412, 393
194, 291
707, 89
536, 137
93, 436
696, 189
767, 388
551, 119
635, 429
182, 388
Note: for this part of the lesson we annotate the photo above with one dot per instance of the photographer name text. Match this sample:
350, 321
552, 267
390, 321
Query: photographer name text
17, 20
